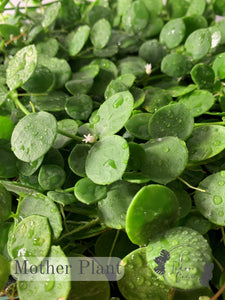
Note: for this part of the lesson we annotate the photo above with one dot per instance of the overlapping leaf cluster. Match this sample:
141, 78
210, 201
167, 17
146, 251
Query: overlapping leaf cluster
112, 143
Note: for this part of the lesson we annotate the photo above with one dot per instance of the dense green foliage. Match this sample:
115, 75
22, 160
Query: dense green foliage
112, 143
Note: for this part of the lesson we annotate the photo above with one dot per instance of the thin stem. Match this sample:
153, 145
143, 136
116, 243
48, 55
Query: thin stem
32, 106
190, 186
74, 137
69, 190
64, 217
223, 234
218, 264
210, 123
90, 224
37, 6
114, 243
218, 293
33, 94
19, 104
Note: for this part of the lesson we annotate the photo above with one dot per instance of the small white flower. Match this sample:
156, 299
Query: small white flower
89, 138
148, 69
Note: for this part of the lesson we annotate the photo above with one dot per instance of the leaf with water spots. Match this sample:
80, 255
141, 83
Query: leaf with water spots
113, 114
112, 210
88, 192
107, 160
205, 142
211, 204
153, 210
100, 33
39, 204
166, 159
5, 204
172, 120
49, 286
30, 239
139, 282
33, 136
21, 67
188, 255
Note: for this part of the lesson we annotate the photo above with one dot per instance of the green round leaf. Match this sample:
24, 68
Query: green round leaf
137, 125
177, 8
21, 67
49, 47
197, 222
51, 177
113, 114
8, 161
211, 203
53, 101
59, 67
135, 18
166, 159
41, 80
100, 33
33, 136
219, 7
172, 120
5, 204
152, 52
88, 192
62, 198
176, 64
185, 255
51, 14
112, 210
79, 39
196, 7
39, 204
218, 66
173, 33
139, 282
155, 98
68, 126
77, 159
55, 286
198, 43
203, 75
4, 272
179, 90
6, 128
198, 102
30, 239
153, 209
79, 107
107, 160
132, 64
205, 142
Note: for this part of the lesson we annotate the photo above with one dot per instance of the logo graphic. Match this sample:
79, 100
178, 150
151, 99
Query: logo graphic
184, 267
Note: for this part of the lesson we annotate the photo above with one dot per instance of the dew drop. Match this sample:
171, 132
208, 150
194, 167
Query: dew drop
111, 163
221, 182
222, 174
217, 143
49, 285
217, 200
96, 119
166, 149
140, 280
118, 103
221, 213
131, 285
